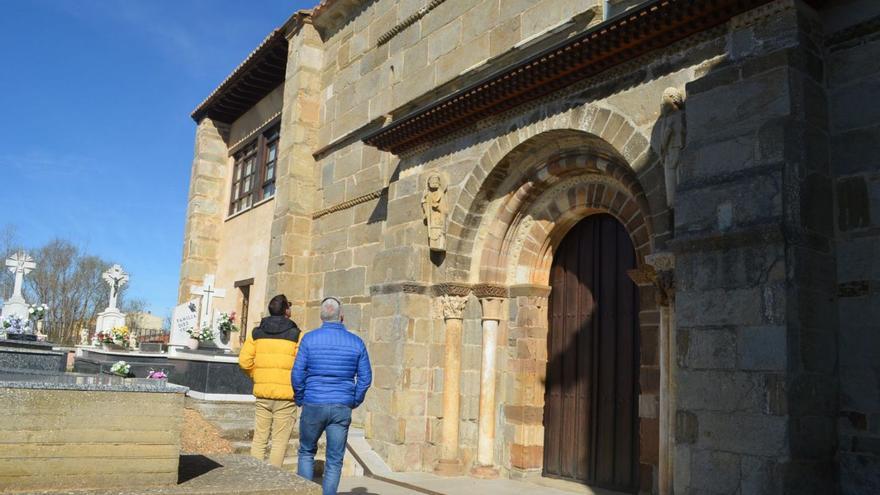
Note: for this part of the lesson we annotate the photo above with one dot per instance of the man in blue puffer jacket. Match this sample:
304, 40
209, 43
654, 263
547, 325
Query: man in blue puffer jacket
330, 377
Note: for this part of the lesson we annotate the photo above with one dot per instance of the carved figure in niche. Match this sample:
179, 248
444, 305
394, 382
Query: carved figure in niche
672, 138
435, 209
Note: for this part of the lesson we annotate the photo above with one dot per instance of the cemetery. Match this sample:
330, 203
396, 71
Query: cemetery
108, 413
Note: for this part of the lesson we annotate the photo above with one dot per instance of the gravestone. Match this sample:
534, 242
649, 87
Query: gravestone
112, 317
184, 317
207, 315
20, 264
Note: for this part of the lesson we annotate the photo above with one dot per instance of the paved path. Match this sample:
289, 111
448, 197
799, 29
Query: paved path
460, 486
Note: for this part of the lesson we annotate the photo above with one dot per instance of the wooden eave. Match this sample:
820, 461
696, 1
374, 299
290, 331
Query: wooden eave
615, 41
261, 72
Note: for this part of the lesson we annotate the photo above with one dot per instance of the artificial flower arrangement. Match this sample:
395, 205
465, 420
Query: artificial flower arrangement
16, 324
38, 311
203, 335
157, 374
226, 323
116, 335
120, 368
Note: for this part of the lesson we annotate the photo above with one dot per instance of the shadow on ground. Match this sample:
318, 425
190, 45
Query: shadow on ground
193, 466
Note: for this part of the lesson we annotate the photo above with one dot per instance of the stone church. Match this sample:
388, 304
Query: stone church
626, 244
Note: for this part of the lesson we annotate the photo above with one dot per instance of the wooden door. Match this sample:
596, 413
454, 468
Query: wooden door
591, 406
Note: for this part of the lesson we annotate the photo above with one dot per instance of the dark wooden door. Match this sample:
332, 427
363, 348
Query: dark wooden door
591, 406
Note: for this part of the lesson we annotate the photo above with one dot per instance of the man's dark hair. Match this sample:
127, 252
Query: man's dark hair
278, 305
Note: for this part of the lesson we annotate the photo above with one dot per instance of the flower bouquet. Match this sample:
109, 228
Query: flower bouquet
115, 338
205, 334
226, 324
121, 368
157, 374
17, 328
38, 311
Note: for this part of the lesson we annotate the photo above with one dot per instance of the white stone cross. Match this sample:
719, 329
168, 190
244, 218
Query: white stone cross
116, 278
20, 264
208, 293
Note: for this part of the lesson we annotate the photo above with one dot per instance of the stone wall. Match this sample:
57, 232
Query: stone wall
365, 79
207, 205
853, 79
88, 439
756, 385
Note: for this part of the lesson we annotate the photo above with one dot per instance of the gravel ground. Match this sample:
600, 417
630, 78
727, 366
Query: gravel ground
201, 437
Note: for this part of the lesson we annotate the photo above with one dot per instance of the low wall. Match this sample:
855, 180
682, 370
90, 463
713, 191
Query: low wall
88, 432
31, 356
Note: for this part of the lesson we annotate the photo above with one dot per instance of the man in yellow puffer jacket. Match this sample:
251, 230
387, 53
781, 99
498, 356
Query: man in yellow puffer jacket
267, 357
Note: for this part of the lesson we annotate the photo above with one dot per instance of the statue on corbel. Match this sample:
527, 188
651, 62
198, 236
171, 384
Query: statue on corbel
671, 140
435, 210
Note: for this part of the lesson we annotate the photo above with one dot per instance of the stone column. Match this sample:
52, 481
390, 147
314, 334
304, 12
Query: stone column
663, 279
206, 207
491, 301
296, 183
452, 302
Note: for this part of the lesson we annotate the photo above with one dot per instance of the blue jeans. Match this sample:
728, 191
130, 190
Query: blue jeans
313, 421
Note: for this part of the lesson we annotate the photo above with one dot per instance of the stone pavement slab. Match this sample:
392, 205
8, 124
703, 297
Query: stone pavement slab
421, 483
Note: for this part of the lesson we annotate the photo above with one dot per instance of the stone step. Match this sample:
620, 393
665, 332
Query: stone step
234, 430
222, 410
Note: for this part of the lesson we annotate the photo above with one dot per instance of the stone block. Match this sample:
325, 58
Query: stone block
720, 391
856, 151
729, 107
345, 283
853, 203
750, 434
854, 381
720, 307
761, 348
714, 472
859, 473
813, 437
682, 468
749, 202
709, 349
760, 476
848, 105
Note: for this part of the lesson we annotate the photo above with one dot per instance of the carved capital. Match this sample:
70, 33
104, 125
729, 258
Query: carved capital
491, 308
452, 306
663, 267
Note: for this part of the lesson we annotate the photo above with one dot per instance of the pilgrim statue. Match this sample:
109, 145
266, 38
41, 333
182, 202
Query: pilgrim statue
671, 139
434, 208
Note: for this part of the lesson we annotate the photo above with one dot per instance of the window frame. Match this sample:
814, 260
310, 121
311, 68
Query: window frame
258, 150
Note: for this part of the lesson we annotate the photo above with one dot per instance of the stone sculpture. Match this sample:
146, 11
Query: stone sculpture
435, 210
672, 139
112, 317
19, 264
84, 336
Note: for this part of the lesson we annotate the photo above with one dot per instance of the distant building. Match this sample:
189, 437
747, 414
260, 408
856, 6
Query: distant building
626, 244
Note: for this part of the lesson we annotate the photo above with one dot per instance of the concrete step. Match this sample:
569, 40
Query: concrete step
234, 430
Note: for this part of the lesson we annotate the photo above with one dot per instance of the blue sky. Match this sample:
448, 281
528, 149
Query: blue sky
95, 135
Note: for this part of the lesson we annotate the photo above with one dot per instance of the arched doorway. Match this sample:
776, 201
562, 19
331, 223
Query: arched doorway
591, 393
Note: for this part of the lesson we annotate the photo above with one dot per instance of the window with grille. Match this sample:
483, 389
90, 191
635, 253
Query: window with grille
254, 171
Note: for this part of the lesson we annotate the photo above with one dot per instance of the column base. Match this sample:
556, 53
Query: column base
449, 467
484, 472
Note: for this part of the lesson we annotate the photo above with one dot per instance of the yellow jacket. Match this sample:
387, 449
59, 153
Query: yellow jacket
267, 357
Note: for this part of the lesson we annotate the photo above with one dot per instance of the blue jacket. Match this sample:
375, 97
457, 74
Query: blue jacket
331, 367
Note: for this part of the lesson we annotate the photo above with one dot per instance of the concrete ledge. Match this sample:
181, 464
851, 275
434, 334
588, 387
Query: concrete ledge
215, 475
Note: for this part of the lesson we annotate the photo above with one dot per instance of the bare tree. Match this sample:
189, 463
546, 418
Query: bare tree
134, 310
69, 281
